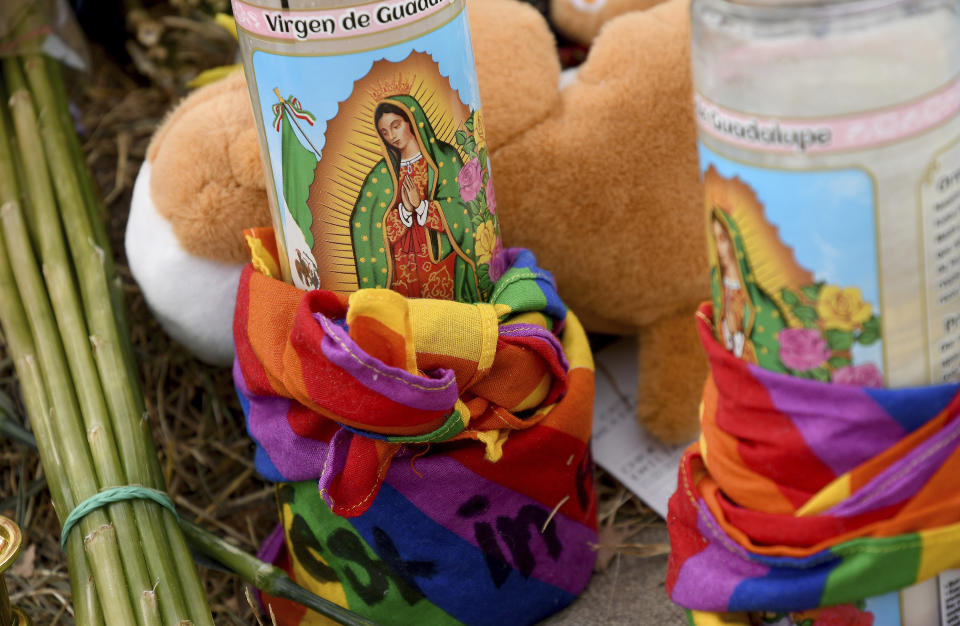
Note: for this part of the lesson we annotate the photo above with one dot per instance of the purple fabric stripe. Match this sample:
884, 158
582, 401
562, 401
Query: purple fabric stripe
296, 457
451, 485
841, 424
269, 551
271, 546
708, 579
904, 478
437, 393
539, 332
336, 460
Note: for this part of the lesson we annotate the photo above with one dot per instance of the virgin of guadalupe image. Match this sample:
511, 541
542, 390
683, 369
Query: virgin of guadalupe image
748, 320
411, 229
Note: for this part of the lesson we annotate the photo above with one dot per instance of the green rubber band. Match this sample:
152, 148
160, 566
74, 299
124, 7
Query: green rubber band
109, 496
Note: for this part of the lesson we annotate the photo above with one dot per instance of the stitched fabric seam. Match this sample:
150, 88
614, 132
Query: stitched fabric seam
912, 465
325, 323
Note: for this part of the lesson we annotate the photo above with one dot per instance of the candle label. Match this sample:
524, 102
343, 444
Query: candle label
794, 268
836, 241
378, 157
842, 133
948, 583
939, 193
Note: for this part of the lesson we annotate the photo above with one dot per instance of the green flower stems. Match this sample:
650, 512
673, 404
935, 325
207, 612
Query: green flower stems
96, 213
86, 406
26, 361
20, 344
250, 569
99, 535
104, 399
113, 353
83, 395
128, 430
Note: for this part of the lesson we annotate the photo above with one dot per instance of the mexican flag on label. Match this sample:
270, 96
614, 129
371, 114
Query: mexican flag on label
298, 164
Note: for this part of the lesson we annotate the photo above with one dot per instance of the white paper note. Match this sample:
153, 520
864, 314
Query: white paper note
621, 446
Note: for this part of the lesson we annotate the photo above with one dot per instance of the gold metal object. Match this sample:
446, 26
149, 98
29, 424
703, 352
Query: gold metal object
11, 541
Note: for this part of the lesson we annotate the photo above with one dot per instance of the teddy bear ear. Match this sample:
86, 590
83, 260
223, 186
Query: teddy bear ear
207, 175
201, 185
517, 67
581, 20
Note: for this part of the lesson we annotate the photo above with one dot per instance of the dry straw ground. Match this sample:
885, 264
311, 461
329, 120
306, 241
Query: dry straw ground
197, 421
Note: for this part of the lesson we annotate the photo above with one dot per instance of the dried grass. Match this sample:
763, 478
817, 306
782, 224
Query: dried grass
198, 424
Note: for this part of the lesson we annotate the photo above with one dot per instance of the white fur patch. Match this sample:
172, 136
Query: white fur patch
588, 6
192, 298
567, 77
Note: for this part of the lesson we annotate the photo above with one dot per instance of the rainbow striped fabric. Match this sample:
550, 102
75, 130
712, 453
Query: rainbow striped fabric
433, 456
803, 494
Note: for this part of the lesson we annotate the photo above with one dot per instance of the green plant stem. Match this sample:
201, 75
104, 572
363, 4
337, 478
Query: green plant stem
250, 569
59, 424
133, 433
20, 345
100, 536
123, 420
264, 576
22, 351
96, 213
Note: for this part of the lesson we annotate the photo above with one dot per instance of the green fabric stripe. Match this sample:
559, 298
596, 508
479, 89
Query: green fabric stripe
871, 567
316, 532
452, 426
519, 290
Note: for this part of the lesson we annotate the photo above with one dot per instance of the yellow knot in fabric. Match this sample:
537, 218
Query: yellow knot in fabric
493, 440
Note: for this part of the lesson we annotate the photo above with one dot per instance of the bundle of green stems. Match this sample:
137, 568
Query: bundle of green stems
62, 315
63, 320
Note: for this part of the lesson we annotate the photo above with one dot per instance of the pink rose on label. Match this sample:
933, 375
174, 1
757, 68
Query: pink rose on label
865, 375
802, 349
470, 179
491, 199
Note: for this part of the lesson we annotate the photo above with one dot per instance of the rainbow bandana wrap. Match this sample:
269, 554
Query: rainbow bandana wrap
433, 455
802, 494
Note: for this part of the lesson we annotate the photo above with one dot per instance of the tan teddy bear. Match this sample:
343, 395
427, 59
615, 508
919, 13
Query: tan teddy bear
599, 178
581, 20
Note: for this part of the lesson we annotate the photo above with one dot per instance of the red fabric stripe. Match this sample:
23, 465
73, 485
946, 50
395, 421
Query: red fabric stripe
769, 443
804, 532
685, 540
550, 360
538, 469
366, 465
310, 424
330, 387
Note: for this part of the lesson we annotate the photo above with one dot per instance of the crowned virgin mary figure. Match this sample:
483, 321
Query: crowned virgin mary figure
410, 229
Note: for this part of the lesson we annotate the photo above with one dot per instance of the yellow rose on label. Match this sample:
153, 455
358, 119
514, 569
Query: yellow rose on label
486, 241
842, 308
479, 131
